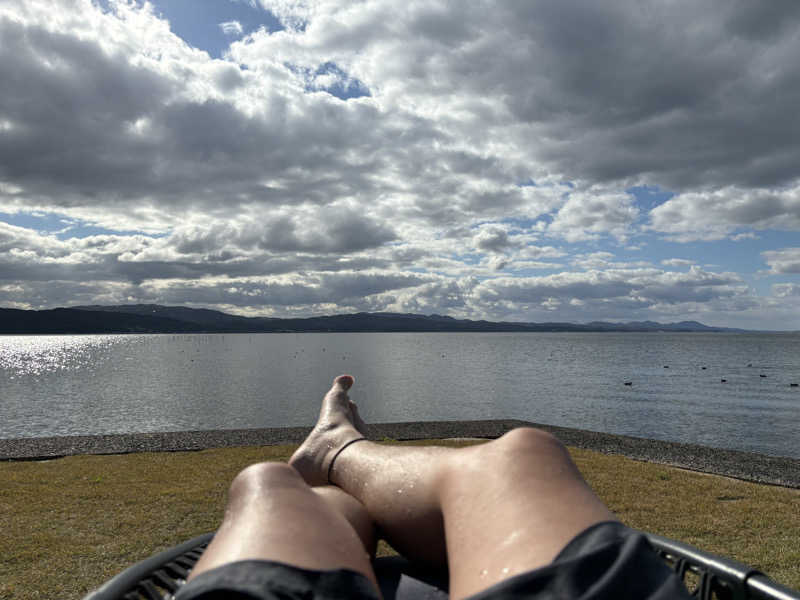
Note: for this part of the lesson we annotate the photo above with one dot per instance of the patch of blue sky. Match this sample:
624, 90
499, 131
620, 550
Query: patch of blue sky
775, 240
743, 256
80, 230
63, 227
556, 268
529, 223
198, 22
344, 86
471, 259
41, 222
649, 196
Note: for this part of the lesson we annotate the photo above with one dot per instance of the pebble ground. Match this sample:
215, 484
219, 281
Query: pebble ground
748, 466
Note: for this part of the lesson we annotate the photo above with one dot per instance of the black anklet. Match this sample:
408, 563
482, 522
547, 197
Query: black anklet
338, 452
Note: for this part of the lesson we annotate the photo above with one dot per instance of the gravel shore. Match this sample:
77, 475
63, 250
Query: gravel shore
741, 465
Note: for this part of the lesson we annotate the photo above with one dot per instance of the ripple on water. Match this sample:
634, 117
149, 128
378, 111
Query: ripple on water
26, 355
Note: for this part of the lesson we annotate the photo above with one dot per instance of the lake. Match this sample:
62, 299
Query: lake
97, 384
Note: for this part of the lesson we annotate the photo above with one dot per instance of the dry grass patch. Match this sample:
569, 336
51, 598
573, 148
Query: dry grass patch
72, 523
752, 523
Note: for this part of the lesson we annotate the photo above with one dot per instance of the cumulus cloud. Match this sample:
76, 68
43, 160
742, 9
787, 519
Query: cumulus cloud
588, 214
710, 215
613, 293
250, 3
677, 262
785, 290
684, 103
440, 86
786, 260
492, 239
444, 76
429, 145
231, 28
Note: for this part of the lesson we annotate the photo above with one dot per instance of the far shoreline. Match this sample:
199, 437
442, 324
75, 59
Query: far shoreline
748, 466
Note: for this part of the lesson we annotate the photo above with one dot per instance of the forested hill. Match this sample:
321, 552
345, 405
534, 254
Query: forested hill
153, 318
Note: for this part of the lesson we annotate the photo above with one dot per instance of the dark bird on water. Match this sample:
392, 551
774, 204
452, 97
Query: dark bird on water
723, 381
631, 383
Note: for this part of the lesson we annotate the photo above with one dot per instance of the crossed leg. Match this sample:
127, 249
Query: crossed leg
273, 515
489, 511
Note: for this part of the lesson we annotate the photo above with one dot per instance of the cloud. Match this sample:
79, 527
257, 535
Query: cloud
293, 14
677, 262
492, 239
425, 144
786, 290
250, 3
710, 215
447, 124
783, 261
231, 28
312, 293
693, 110
586, 215
212, 267
611, 293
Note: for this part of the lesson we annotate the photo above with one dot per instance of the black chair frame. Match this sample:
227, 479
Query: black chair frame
706, 576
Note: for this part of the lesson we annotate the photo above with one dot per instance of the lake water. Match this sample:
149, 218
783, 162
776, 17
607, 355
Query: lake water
76, 385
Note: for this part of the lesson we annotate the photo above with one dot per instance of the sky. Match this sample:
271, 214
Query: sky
525, 161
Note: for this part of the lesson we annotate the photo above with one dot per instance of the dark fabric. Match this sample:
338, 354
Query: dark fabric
267, 580
608, 560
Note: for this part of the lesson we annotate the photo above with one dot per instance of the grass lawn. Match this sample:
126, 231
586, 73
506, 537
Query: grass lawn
71, 523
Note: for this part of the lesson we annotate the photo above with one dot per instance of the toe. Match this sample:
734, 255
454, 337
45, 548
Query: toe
357, 420
343, 381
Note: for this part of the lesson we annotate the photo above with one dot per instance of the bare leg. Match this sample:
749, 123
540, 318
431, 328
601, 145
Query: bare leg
354, 512
491, 511
272, 514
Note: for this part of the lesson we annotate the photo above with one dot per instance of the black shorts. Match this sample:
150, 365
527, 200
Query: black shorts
608, 560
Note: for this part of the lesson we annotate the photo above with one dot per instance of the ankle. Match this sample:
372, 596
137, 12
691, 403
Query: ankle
338, 452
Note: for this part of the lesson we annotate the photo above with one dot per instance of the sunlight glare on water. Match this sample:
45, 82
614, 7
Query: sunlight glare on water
31, 355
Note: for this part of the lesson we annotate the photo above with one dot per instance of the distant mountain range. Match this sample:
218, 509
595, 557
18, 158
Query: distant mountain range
153, 318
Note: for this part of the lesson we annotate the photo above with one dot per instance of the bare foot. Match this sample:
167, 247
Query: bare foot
338, 424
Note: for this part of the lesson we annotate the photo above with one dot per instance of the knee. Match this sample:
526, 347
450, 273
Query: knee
524, 447
522, 453
261, 477
530, 441
517, 455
